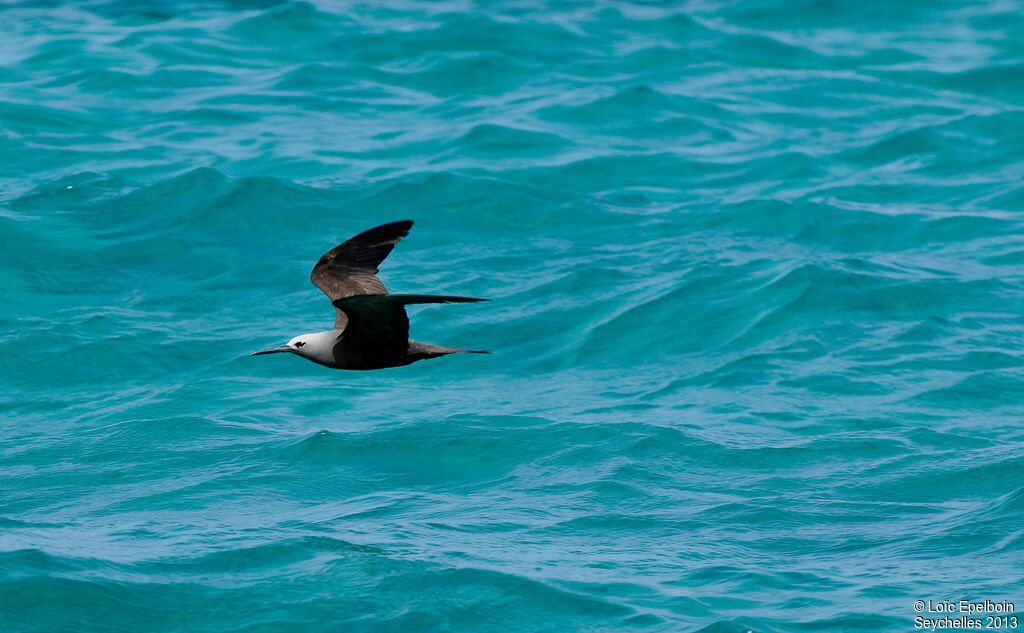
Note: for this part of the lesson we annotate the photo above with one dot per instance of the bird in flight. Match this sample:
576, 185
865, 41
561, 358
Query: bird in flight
371, 328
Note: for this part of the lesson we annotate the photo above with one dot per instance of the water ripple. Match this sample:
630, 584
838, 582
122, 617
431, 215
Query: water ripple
756, 280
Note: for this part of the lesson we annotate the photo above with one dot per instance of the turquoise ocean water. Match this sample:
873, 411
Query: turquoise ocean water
757, 273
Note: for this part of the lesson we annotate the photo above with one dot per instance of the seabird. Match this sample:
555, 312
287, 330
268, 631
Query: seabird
371, 328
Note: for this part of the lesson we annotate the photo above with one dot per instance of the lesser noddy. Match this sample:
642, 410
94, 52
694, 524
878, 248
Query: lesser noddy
371, 328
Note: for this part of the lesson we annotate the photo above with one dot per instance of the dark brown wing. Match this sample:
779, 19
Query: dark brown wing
378, 327
350, 268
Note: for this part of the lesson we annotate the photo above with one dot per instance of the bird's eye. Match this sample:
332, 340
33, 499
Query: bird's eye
300, 344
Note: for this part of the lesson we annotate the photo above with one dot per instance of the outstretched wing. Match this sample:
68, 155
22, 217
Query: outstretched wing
350, 268
378, 326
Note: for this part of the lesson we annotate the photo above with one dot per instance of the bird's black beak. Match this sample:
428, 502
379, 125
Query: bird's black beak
272, 350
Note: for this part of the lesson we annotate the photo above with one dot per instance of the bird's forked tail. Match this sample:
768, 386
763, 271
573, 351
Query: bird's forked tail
420, 351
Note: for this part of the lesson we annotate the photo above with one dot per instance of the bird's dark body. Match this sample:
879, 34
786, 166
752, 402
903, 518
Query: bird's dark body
345, 358
371, 327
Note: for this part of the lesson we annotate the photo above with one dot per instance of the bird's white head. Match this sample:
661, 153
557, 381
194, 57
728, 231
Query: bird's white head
317, 347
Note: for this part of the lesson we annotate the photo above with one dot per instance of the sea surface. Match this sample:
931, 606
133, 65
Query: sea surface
757, 283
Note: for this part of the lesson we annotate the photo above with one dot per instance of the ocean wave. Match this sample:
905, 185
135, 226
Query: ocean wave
755, 294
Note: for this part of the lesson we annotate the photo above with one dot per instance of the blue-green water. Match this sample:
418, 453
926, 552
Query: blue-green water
757, 273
